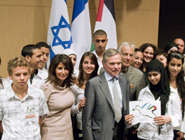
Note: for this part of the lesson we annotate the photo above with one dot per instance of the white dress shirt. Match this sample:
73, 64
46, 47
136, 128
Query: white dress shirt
111, 84
40, 78
182, 127
99, 61
150, 130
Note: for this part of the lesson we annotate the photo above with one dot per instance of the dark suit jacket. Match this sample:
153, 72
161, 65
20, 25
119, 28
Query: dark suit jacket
98, 118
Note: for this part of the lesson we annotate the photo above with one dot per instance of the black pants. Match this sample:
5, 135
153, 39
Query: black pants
130, 135
119, 135
77, 134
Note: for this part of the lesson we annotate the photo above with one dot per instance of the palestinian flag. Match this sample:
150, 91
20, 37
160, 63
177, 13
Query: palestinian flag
106, 21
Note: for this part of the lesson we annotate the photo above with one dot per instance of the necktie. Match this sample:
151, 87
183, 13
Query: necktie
117, 107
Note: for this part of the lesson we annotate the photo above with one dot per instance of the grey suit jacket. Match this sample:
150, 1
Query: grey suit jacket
137, 81
98, 121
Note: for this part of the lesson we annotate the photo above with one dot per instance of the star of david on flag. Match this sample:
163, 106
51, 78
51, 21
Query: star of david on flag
59, 31
57, 40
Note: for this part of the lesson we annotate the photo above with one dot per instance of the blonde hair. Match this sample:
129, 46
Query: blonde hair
17, 62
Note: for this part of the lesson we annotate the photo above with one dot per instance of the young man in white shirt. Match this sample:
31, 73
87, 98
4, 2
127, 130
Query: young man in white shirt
100, 41
45, 53
21, 106
34, 55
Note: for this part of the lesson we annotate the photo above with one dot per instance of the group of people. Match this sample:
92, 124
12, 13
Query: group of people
92, 103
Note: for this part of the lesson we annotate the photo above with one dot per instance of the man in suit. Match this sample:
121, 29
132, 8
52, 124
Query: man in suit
135, 76
100, 117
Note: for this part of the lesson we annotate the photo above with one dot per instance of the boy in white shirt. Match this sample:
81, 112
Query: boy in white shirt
21, 106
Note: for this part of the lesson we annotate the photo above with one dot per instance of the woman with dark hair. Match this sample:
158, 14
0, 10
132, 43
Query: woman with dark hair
171, 47
159, 90
88, 68
137, 60
161, 56
57, 124
148, 50
175, 73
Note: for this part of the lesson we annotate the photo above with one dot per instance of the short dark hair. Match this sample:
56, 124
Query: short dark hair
99, 32
168, 46
43, 44
65, 60
28, 50
160, 52
137, 50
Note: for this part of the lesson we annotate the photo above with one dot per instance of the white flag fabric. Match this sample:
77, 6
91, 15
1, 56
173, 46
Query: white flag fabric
59, 32
106, 21
81, 28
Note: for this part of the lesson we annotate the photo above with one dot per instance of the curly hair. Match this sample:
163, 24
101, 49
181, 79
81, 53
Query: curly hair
17, 62
142, 49
146, 45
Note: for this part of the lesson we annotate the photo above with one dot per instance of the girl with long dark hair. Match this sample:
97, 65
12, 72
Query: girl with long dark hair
158, 89
88, 68
175, 73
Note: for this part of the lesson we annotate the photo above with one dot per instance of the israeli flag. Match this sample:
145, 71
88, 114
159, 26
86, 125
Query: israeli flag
59, 32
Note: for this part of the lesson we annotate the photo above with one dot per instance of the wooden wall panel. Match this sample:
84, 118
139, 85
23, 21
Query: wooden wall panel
133, 27
26, 21
20, 25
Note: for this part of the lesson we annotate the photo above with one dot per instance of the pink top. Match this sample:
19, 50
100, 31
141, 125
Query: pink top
57, 124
